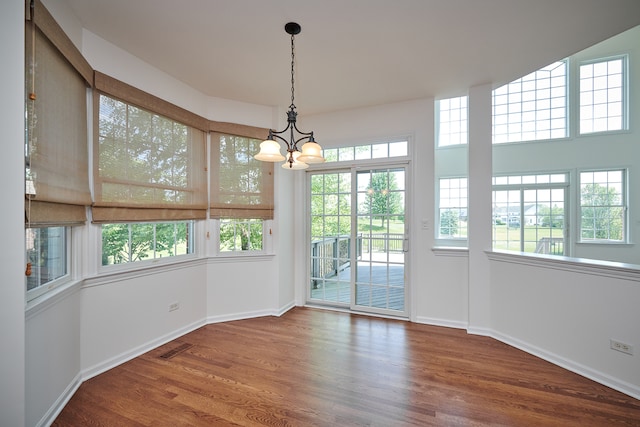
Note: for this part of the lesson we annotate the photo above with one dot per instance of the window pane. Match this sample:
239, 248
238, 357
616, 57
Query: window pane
602, 206
366, 151
534, 105
239, 235
452, 121
453, 208
601, 96
124, 243
46, 257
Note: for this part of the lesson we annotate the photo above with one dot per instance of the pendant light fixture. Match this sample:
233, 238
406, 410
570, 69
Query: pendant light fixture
296, 158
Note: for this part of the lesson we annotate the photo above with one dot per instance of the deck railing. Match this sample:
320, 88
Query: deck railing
331, 255
550, 245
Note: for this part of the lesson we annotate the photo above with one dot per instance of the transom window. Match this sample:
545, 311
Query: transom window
602, 96
452, 121
602, 206
533, 107
366, 151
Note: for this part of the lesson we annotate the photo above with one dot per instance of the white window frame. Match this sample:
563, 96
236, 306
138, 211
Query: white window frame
59, 281
452, 121
149, 261
266, 230
444, 237
533, 107
394, 148
623, 205
588, 113
522, 183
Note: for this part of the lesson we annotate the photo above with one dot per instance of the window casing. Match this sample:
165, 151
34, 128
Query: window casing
603, 95
533, 107
603, 206
452, 121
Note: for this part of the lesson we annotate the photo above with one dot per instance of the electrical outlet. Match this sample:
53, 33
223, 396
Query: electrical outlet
620, 346
174, 306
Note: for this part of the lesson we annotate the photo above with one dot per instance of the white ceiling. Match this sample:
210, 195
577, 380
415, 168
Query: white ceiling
351, 53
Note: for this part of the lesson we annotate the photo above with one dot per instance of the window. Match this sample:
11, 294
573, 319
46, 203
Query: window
150, 167
529, 213
134, 242
366, 152
602, 206
602, 96
239, 235
452, 213
56, 154
452, 119
47, 259
241, 192
533, 107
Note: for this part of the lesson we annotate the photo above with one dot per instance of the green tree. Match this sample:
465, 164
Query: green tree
243, 234
602, 213
551, 217
449, 222
381, 198
123, 243
330, 205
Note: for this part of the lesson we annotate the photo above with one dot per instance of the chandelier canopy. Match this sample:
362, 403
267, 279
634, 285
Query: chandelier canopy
296, 158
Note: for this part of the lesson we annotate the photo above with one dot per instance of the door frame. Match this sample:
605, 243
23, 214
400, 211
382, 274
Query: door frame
353, 168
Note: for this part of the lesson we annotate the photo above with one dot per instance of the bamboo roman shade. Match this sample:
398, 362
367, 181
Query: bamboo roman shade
56, 164
147, 166
241, 186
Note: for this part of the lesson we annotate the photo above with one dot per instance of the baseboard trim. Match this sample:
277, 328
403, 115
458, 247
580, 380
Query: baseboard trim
55, 409
599, 377
441, 322
128, 355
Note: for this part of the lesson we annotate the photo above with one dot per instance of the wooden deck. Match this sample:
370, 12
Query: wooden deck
324, 368
377, 285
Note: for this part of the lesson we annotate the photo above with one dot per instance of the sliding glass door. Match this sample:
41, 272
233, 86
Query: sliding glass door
359, 239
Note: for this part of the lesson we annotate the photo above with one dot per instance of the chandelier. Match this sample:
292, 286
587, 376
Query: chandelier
296, 158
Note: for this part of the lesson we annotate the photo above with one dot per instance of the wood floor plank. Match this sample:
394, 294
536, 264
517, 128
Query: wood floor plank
314, 367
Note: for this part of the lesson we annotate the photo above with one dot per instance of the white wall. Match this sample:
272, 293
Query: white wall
568, 317
240, 288
52, 353
12, 262
125, 316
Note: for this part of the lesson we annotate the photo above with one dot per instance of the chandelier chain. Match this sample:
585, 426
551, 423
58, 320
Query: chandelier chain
292, 64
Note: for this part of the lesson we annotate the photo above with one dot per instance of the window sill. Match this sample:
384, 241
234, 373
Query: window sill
46, 300
616, 270
603, 243
451, 251
240, 257
117, 274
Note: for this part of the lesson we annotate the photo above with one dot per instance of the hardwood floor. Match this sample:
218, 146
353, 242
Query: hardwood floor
315, 367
